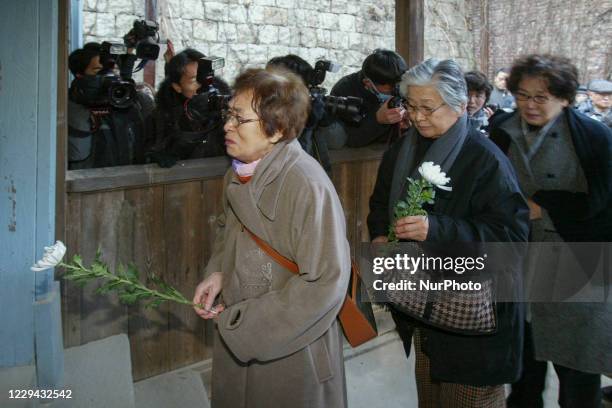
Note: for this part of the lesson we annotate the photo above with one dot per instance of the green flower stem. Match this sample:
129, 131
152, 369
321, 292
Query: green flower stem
420, 192
127, 284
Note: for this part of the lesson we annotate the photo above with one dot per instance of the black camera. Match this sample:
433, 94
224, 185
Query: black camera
110, 53
144, 37
348, 106
103, 91
209, 101
396, 102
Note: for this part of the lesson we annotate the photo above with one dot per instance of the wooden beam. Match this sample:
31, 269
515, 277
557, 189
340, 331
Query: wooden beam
409, 30
149, 69
484, 38
62, 117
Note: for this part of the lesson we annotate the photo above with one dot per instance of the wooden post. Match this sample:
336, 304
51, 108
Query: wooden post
149, 69
484, 38
409, 30
62, 117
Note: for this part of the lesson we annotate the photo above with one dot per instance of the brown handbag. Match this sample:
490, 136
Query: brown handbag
356, 316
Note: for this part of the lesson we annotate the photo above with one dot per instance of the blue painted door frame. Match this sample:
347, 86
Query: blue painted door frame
30, 332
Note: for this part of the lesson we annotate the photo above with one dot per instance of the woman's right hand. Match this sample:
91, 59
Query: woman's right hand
205, 295
380, 240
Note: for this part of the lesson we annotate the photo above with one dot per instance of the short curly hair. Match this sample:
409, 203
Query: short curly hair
477, 82
559, 73
280, 99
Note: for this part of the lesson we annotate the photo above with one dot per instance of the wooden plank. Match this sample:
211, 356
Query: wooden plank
72, 293
101, 315
109, 178
343, 176
148, 328
367, 180
183, 230
212, 207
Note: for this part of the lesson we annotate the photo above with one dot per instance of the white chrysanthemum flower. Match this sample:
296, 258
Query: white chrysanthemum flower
434, 174
51, 258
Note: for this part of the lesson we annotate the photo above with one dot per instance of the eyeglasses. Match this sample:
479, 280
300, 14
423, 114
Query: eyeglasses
425, 111
234, 119
539, 99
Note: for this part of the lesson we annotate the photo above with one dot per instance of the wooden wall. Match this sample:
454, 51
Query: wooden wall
164, 222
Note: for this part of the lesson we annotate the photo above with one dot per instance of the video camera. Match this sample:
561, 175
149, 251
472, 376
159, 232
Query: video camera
209, 100
107, 89
346, 105
144, 36
104, 90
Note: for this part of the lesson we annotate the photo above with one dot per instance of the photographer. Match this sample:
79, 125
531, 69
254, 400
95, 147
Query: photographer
172, 132
375, 84
105, 119
311, 140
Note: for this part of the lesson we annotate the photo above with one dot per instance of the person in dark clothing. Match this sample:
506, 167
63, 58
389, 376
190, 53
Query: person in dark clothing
485, 205
313, 138
479, 91
99, 133
376, 83
598, 106
501, 96
563, 162
172, 132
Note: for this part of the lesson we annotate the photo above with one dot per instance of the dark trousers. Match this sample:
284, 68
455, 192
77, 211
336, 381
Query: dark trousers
577, 389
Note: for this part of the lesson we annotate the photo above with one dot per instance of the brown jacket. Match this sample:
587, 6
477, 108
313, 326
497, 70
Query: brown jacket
280, 340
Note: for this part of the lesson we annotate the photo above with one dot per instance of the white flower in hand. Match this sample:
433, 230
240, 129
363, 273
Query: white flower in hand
434, 174
52, 257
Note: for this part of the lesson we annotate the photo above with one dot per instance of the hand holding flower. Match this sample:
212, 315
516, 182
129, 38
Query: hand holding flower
206, 293
414, 228
410, 219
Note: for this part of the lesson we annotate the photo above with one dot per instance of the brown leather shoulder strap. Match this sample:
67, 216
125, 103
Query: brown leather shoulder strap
281, 260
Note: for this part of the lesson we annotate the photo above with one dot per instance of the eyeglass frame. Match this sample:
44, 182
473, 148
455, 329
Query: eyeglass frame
413, 110
520, 96
236, 120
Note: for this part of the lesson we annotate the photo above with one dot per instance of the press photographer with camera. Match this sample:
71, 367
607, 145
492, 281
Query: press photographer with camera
318, 135
376, 83
105, 118
187, 122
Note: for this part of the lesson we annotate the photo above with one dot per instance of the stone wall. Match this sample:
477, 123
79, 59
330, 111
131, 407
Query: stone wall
578, 29
487, 35
479, 34
448, 31
250, 32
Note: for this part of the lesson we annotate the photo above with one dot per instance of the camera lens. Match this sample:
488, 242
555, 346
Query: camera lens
121, 94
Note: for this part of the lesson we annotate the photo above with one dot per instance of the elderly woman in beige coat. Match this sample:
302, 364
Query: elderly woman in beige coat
279, 342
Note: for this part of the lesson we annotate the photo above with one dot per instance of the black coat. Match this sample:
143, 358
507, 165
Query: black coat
485, 205
578, 217
368, 130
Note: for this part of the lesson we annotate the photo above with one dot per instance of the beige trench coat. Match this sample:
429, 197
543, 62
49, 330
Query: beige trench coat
278, 343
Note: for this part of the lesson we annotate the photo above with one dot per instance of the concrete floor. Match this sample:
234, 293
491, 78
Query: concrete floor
378, 375
383, 377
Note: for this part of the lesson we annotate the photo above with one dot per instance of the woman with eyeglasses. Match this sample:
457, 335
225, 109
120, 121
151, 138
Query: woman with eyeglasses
484, 205
277, 339
563, 161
